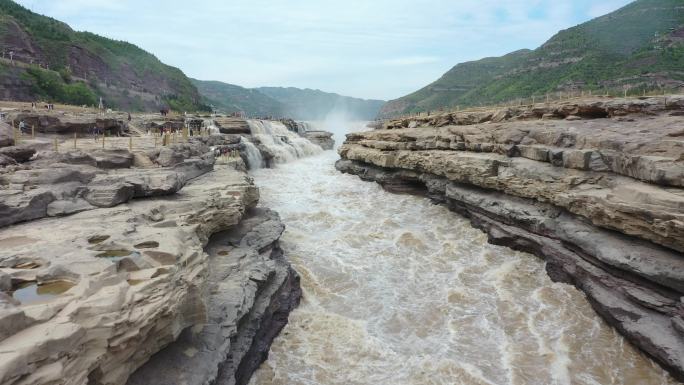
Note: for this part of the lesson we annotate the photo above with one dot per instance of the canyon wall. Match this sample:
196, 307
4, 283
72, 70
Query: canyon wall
146, 267
593, 186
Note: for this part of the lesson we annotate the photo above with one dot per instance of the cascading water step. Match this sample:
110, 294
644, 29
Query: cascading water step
278, 144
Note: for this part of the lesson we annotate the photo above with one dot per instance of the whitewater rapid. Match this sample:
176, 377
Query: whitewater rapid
398, 290
284, 145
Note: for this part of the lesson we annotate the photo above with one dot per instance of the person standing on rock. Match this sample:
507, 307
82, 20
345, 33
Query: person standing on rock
22, 127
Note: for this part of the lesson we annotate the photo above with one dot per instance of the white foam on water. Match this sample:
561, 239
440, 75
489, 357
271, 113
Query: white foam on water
338, 125
285, 145
398, 290
210, 126
254, 158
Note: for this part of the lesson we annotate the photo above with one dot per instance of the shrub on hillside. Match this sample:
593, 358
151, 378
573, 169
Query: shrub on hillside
51, 86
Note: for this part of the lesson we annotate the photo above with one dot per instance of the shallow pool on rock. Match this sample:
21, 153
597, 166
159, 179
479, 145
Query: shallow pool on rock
398, 290
114, 254
31, 293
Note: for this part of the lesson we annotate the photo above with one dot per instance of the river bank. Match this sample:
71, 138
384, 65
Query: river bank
141, 265
157, 264
592, 186
398, 290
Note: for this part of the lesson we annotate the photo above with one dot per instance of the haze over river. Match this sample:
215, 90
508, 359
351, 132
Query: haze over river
398, 290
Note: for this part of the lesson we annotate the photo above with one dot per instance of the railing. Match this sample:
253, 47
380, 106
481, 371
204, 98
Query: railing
104, 141
534, 100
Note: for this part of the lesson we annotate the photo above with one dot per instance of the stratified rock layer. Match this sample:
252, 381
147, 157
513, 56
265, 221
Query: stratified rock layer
188, 285
599, 196
245, 311
62, 184
61, 123
230, 125
322, 138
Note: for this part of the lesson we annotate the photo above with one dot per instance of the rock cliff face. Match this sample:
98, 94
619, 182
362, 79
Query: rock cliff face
61, 123
186, 286
593, 187
124, 74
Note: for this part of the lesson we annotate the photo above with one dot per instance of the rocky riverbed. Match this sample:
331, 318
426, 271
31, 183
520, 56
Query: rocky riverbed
594, 187
151, 266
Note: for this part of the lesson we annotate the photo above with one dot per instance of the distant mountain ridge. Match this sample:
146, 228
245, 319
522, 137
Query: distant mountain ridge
290, 102
309, 104
640, 46
44, 59
52, 62
230, 98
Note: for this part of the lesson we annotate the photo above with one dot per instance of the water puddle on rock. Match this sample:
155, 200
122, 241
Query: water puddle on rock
400, 291
114, 254
15, 241
31, 293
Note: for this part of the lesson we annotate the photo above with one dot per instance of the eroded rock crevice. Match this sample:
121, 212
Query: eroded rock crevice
245, 311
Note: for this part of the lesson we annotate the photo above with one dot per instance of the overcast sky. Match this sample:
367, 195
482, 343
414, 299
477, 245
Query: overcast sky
365, 48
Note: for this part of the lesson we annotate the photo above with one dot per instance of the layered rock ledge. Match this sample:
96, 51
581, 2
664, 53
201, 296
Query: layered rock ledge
324, 139
68, 123
595, 190
153, 267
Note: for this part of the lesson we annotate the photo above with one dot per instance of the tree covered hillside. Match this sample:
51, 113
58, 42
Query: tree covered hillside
229, 98
640, 47
52, 62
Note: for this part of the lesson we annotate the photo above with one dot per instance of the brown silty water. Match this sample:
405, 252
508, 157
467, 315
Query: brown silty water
398, 290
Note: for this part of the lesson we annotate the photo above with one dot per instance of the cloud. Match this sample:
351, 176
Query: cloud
63, 8
371, 49
410, 61
604, 7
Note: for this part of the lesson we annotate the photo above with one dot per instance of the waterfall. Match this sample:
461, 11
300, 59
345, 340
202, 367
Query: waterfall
285, 145
211, 127
303, 127
254, 158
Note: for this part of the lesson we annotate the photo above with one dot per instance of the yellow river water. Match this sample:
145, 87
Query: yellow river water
400, 291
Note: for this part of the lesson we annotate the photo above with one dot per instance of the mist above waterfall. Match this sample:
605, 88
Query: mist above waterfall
316, 105
340, 121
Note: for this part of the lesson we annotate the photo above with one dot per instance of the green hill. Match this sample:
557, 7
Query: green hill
52, 62
640, 46
229, 98
294, 103
308, 104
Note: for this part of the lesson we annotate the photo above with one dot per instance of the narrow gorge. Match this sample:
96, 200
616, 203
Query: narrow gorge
592, 187
397, 290
554, 249
268, 209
